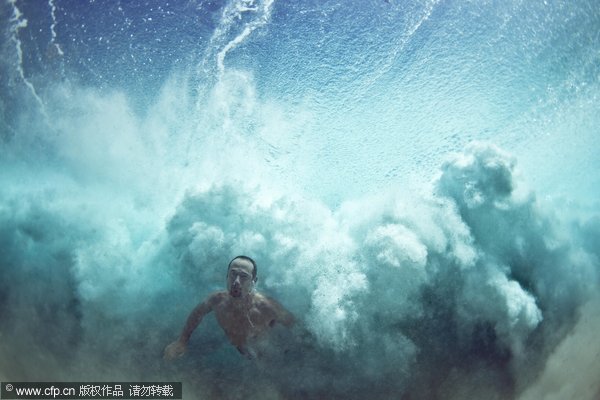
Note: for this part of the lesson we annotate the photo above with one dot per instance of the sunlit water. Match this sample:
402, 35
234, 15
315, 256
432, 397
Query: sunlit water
417, 180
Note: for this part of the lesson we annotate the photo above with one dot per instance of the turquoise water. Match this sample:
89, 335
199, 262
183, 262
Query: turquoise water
417, 181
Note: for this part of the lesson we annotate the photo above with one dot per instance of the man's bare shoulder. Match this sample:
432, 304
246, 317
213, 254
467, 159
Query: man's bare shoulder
259, 298
265, 302
271, 306
217, 298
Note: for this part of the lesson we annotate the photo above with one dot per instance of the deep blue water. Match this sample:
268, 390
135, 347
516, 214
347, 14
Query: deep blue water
417, 180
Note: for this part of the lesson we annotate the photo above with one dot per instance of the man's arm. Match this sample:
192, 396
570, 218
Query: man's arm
177, 348
195, 318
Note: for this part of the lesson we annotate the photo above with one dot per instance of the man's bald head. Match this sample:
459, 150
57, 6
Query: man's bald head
240, 260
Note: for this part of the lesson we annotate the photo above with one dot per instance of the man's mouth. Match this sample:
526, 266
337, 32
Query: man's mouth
235, 292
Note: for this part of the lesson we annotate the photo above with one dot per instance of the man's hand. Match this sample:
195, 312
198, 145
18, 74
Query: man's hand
174, 350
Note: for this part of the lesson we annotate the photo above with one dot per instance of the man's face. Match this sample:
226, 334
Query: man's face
239, 278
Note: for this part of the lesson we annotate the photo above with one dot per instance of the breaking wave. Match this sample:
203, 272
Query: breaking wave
426, 231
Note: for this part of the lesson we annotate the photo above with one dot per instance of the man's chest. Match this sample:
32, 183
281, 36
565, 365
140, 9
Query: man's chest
242, 320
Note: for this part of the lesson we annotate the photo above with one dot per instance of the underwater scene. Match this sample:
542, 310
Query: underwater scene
417, 182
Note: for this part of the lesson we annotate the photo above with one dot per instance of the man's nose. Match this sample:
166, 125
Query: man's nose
236, 281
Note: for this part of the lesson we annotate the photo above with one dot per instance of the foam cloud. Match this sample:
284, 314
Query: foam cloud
431, 287
121, 204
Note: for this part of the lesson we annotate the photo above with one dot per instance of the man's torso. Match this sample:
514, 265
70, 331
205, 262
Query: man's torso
243, 319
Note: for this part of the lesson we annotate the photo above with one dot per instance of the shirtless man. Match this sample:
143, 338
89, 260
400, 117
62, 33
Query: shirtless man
244, 314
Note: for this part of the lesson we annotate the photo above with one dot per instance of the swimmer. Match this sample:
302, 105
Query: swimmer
244, 315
